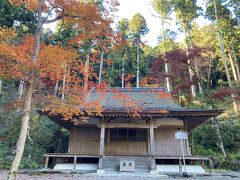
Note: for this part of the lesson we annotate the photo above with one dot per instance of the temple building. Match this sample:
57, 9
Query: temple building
136, 128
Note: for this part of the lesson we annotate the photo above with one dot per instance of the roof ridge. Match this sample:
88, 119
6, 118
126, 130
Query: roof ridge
132, 89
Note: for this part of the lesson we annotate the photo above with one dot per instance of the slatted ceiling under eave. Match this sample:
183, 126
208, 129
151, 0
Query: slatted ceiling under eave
58, 119
61, 122
195, 121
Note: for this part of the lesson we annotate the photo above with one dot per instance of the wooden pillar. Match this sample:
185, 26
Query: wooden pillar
46, 162
152, 146
101, 147
108, 141
74, 162
148, 142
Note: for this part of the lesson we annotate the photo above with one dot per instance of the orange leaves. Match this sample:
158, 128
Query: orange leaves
73, 106
68, 108
87, 19
131, 105
24, 53
160, 94
53, 61
17, 62
30, 4
164, 95
149, 82
120, 41
8, 62
7, 34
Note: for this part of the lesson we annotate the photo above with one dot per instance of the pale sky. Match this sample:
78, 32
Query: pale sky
128, 8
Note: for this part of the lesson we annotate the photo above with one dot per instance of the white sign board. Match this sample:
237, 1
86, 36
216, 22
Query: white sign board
180, 135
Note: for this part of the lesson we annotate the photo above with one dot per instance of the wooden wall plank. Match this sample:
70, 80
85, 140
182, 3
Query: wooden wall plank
166, 144
84, 140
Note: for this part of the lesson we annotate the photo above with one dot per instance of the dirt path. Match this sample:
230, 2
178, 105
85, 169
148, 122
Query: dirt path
93, 176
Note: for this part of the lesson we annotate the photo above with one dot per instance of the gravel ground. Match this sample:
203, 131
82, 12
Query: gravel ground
126, 176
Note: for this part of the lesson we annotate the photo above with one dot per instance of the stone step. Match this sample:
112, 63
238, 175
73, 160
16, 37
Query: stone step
112, 163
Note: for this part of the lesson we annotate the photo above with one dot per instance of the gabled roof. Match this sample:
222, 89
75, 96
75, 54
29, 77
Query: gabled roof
147, 103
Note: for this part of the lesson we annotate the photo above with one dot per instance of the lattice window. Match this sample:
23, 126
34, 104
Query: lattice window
128, 135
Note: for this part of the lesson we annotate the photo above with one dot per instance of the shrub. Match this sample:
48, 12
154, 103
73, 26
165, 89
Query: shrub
230, 166
237, 156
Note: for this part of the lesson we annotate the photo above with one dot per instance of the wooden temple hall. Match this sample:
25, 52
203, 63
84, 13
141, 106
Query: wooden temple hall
134, 132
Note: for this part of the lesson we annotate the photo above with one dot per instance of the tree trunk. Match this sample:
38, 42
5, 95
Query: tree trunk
238, 71
166, 65
224, 58
219, 136
193, 88
20, 89
100, 69
86, 73
200, 79
209, 73
63, 87
28, 101
23, 133
0, 87
237, 64
123, 69
64, 82
20, 92
233, 69
138, 64
56, 88
67, 81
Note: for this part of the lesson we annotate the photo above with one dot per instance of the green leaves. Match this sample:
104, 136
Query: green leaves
17, 16
162, 7
138, 25
186, 11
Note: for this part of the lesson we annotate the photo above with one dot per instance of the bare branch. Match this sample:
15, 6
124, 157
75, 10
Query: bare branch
53, 20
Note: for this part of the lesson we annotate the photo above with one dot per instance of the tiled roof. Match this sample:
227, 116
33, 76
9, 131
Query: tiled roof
142, 98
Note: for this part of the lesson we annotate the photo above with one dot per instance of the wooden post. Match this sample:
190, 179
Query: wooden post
152, 150
180, 165
108, 141
74, 162
46, 162
148, 142
101, 147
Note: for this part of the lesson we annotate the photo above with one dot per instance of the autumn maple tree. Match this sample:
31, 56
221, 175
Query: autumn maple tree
41, 65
